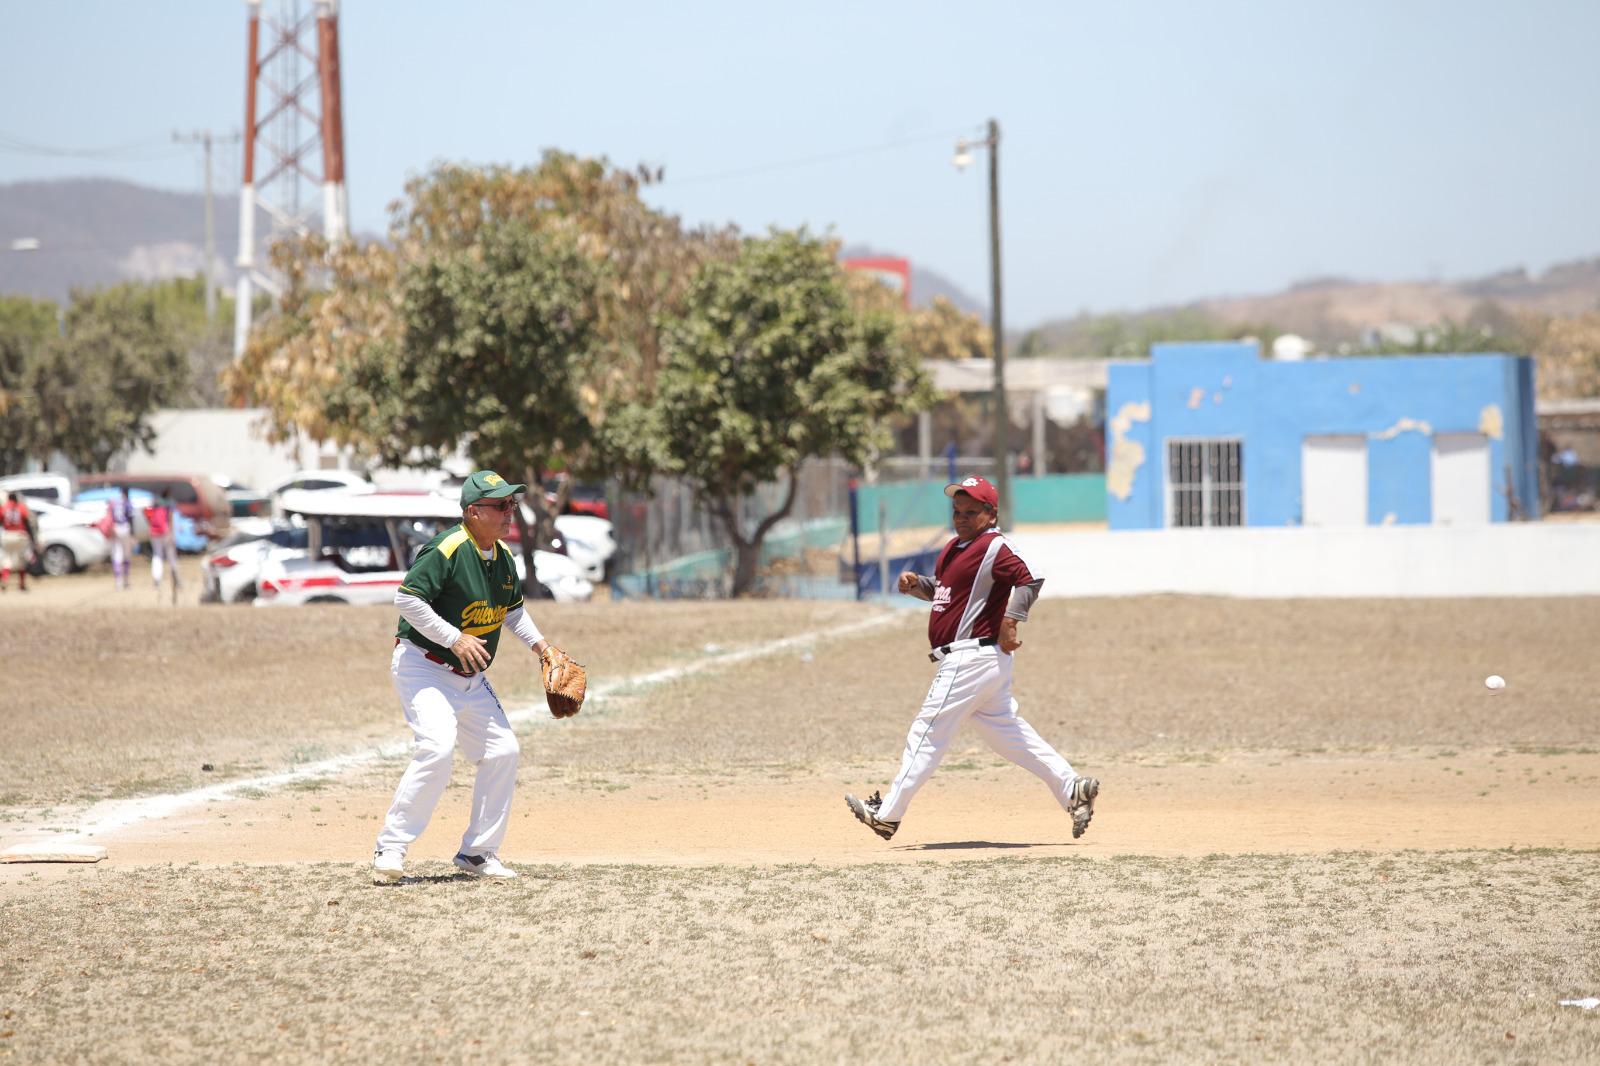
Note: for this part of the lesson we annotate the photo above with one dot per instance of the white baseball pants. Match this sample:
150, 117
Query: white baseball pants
973, 685
13, 550
164, 550
444, 709
121, 553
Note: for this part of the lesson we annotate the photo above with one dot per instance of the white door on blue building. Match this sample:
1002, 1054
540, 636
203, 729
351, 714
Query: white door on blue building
1333, 481
1461, 482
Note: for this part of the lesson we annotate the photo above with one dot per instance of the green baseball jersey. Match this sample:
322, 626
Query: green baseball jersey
470, 592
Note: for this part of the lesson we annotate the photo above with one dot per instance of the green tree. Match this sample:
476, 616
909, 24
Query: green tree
339, 299
770, 364
208, 346
491, 345
117, 360
647, 256
26, 328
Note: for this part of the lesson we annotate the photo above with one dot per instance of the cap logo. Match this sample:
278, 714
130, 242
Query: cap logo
493, 479
970, 482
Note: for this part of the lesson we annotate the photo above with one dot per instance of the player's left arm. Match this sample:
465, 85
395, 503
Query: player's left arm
520, 622
1010, 569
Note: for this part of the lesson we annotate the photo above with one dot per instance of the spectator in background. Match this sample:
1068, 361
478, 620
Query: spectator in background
16, 540
120, 511
163, 545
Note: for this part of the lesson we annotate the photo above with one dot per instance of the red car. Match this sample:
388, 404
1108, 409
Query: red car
196, 496
586, 497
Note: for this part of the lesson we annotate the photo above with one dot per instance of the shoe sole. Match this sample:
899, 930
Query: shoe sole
1093, 790
387, 876
859, 809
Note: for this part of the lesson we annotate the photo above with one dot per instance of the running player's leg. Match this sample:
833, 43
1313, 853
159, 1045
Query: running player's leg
172, 564
429, 707
1009, 734
488, 742
956, 690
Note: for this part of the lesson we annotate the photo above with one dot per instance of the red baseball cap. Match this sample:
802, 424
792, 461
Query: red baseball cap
978, 488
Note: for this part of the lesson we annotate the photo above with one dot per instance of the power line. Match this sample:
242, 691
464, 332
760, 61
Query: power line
806, 161
149, 148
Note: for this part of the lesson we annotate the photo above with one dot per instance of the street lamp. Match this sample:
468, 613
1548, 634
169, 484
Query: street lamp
1002, 423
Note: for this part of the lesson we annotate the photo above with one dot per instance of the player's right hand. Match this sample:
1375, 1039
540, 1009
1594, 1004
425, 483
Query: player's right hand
908, 582
472, 652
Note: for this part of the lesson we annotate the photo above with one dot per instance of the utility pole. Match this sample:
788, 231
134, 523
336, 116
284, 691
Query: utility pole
1002, 418
997, 332
205, 139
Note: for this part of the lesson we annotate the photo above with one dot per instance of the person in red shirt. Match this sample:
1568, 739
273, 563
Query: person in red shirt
163, 544
16, 540
980, 590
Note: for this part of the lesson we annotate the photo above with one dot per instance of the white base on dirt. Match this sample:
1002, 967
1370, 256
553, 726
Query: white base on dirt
48, 851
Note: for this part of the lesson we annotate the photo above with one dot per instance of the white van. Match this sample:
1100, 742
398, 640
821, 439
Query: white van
358, 548
51, 488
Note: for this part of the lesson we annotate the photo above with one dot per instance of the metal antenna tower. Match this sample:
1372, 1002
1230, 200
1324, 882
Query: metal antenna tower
293, 138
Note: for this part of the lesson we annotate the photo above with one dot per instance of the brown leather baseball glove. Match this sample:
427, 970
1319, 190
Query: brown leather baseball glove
565, 681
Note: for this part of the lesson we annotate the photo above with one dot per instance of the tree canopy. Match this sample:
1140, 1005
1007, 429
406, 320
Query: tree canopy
771, 363
343, 304
87, 387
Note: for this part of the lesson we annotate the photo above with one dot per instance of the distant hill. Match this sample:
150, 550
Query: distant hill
1335, 309
1339, 312
94, 232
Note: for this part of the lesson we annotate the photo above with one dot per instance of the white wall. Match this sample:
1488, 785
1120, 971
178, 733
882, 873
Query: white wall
232, 441
1510, 559
224, 440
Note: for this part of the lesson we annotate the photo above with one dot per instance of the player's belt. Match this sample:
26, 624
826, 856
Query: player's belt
960, 645
426, 654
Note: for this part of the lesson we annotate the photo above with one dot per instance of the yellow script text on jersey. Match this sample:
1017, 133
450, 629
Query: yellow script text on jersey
479, 618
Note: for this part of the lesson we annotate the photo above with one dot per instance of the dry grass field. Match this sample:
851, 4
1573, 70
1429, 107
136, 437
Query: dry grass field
1319, 839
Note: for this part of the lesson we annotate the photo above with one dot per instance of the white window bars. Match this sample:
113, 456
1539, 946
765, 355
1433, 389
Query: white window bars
1205, 482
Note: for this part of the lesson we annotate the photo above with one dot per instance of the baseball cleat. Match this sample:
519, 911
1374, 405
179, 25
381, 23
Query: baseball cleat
485, 866
866, 812
386, 866
1081, 803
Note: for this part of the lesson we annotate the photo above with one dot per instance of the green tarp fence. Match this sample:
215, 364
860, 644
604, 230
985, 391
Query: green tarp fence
1035, 500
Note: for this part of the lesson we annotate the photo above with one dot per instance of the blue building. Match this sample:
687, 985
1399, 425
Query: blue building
1214, 435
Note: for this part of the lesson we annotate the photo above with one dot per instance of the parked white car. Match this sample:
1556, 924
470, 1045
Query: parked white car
68, 539
587, 541
228, 573
319, 480
358, 548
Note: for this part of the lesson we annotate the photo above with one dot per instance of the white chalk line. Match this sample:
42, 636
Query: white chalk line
112, 815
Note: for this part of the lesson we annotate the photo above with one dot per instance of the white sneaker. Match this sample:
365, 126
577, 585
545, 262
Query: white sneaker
388, 866
485, 866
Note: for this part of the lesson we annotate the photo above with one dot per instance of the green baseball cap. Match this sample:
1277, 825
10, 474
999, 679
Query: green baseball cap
487, 485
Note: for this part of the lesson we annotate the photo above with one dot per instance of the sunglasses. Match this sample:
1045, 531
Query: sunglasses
502, 507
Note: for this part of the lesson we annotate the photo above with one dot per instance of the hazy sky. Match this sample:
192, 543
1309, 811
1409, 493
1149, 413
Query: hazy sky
1152, 152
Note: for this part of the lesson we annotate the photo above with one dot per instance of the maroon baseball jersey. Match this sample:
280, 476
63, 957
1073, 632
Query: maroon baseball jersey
972, 584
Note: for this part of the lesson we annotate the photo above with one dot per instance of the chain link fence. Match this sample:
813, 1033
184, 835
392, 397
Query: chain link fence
845, 538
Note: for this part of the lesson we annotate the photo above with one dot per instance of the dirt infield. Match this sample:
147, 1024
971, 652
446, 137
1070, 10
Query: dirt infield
1318, 835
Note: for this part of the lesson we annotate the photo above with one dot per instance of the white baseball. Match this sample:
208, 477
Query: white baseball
1494, 682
